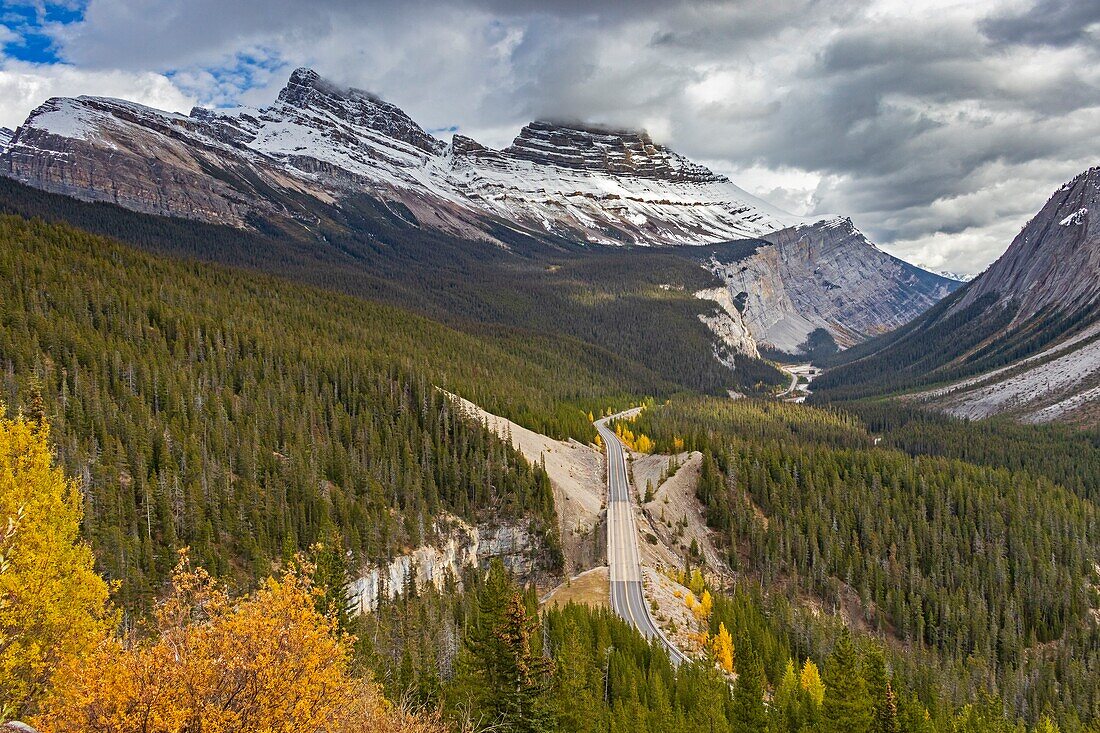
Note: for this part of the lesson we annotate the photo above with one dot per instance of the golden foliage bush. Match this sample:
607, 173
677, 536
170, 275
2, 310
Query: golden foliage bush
267, 662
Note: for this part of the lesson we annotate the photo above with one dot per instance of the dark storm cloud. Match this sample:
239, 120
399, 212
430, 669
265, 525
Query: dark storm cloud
1058, 23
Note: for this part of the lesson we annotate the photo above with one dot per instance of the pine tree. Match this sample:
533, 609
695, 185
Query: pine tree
523, 697
510, 680
574, 698
847, 707
874, 673
887, 716
792, 709
331, 578
749, 714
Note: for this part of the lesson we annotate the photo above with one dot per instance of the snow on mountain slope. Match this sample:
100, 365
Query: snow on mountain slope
609, 186
5, 138
228, 165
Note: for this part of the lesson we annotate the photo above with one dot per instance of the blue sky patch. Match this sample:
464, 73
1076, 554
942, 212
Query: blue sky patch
31, 23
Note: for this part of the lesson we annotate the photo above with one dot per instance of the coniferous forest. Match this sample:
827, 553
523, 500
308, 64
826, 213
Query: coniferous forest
213, 451
979, 569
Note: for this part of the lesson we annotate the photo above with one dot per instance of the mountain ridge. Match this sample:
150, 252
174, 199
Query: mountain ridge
320, 149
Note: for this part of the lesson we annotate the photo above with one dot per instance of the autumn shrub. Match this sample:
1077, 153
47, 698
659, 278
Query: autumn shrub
269, 661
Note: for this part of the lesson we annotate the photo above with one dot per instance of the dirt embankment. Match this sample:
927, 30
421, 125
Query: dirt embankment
590, 588
577, 474
674, 516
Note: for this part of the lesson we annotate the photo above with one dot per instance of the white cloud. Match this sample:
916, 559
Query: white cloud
24, 86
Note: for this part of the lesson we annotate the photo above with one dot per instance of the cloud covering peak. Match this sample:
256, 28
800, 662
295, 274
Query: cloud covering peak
938, 127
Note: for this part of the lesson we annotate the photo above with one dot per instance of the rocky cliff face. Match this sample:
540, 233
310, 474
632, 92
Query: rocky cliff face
1054, 262
826, 275
1021, 339
728, 325
626, 153
460, 546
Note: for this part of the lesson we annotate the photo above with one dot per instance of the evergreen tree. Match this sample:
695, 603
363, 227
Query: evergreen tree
510, 678
749, 714
874, 673
847, 707
331, 578
887, 715
576, 700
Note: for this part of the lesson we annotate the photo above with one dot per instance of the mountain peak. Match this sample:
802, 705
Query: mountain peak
604, 149
305, 83
308, 90
1052, 262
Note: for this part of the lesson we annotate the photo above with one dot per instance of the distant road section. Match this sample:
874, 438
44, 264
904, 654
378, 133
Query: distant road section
627, 595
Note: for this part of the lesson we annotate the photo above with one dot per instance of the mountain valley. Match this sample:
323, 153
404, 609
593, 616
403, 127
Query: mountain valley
310, 420
1020, 339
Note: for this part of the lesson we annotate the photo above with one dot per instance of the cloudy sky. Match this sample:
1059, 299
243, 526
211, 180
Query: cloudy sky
938, 126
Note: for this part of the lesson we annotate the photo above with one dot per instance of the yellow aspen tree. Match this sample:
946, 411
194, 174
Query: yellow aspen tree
722, 649
696, 583
706, 603
811, 681
53, 605
267, 662
689, 600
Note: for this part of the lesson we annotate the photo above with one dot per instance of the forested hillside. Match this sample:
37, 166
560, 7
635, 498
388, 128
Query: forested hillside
634, 304
248, 418
585, 669
986, 569
1068, 456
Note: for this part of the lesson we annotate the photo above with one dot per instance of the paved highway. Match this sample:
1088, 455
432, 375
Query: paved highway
794, 385
627, 595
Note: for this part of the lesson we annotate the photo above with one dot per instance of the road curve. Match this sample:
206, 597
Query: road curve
623, 558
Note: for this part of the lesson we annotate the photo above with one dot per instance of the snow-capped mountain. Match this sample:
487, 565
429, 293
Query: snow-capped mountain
317, 139
319, 146
5, 138
1022, 338
961, 277
608, 186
